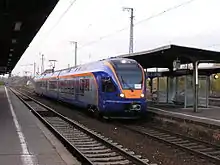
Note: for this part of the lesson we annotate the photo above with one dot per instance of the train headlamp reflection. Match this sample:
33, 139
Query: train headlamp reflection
142, 95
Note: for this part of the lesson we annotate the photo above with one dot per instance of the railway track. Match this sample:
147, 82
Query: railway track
200, 148
195, 146
88, 146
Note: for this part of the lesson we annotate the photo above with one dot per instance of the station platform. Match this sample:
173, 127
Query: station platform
24, 140
209, 116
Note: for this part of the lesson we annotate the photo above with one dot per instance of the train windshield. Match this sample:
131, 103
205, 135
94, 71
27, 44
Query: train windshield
129, 74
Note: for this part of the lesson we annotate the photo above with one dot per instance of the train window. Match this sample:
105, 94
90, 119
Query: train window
82, 82
86, 85
108, 86
52, 85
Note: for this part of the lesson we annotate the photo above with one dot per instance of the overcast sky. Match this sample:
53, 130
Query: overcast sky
96, 26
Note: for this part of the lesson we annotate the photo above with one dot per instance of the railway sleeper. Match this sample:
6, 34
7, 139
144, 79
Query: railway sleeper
101, 155
175, 140
147, 131
64, 128
97, 151
88, 145
70, 134
80, 135
65, 131
93, 148
205, 149
158, 134
113, 163
55, 119
164, 136
108, 159
213, 152
183, 142
189, 144
197, 147
83, 141
170, 138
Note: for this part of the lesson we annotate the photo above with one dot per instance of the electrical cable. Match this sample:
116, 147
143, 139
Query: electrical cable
139, 22
58, 21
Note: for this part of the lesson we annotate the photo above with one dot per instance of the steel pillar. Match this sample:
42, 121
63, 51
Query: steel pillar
168, 89
185, 93
195, 85
158, 81
151, 87
207, 90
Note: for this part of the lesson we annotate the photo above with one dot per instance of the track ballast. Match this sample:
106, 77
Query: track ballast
90, 147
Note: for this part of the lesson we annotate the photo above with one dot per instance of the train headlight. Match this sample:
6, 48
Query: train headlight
142, 95
122, 95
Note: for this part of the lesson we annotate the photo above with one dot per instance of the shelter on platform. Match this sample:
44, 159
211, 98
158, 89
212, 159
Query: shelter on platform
171, 57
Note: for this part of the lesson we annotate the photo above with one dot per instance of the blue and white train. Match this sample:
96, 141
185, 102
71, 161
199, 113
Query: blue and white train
113, 88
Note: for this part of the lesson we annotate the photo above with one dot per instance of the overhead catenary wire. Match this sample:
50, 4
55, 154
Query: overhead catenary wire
137, 23
58, 21
63, 14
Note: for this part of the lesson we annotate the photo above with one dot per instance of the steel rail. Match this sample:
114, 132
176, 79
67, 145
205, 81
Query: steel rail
87, 145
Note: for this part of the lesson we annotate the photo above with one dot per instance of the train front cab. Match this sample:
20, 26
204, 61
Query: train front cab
123, 95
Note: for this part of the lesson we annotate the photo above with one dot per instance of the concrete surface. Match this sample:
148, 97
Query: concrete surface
24, 140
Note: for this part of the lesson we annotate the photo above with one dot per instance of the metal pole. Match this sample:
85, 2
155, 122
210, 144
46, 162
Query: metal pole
196, 84
131, 32
167, 89
207, 90
186, 85
34, 68
158, 81
42, 65
75, 53
131, 29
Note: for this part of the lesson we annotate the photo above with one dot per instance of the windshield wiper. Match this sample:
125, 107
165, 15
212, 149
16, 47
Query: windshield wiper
124, 82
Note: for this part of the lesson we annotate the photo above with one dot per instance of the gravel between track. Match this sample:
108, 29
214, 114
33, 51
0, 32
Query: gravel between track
155, 151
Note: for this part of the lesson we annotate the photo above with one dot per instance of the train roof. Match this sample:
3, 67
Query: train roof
91, 67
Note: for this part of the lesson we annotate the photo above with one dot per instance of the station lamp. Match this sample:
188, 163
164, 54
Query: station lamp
215, 76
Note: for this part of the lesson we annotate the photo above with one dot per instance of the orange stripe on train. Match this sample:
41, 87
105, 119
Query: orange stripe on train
132, 95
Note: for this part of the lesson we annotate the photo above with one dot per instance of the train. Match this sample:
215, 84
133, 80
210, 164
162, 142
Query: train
109, 88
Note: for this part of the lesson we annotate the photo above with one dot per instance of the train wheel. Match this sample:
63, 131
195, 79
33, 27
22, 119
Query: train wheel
90, 110
97, 113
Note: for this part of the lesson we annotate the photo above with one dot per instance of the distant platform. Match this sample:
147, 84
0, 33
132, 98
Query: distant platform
23, 138
209, 115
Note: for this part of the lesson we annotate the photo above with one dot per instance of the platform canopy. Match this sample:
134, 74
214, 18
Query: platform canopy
163, 57
181, 72
20, 21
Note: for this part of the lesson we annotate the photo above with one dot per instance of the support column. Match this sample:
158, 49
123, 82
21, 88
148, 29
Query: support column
195, 85
207, 90
185, 93
157, 86
168, 89
186, 86
176, 88
169, 86
151, 86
